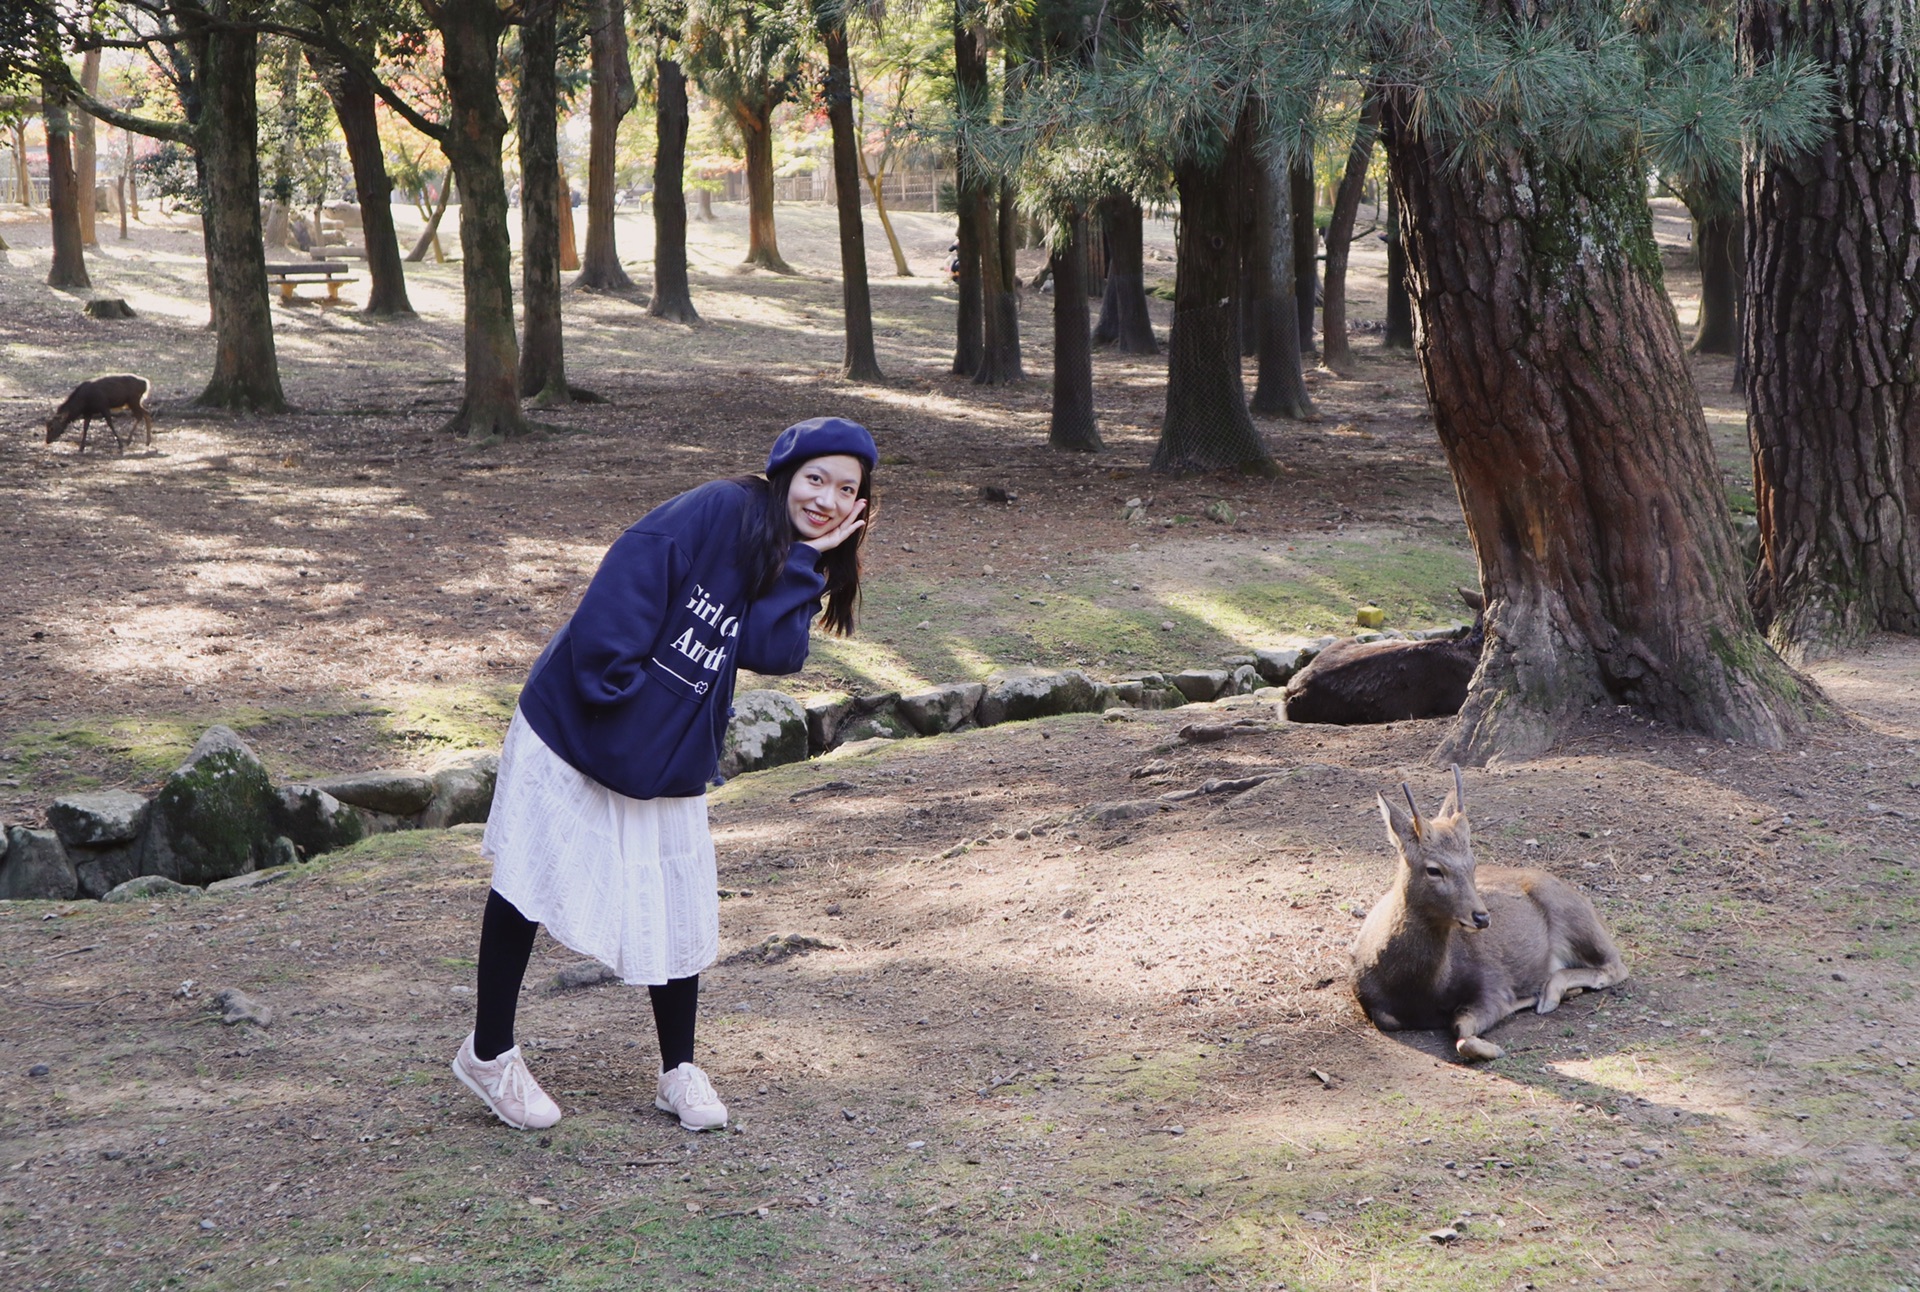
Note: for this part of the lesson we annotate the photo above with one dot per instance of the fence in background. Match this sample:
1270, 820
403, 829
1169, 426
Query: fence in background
906, 190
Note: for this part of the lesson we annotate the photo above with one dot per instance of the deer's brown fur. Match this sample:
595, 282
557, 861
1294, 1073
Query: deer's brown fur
98, 398
1453, 946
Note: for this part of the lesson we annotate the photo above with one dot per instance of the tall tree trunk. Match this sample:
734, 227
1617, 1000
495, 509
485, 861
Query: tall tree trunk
83, 156
1000, 301
672, 295
1280, 386
755, 121
1334, 351
23, 177
429, 238
1071, 425
861, 362
246, 371
1306, 248
470, 34
1207, 427
877, 185
1125, 322
1397, 334
353, 105
1562, 398
1720, 243
1832, 308
543, 364
63, 190
612, 98
970, 88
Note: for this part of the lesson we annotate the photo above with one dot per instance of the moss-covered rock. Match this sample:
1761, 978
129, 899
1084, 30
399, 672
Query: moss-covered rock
213, 818
1016, 694
768, 728
314, 820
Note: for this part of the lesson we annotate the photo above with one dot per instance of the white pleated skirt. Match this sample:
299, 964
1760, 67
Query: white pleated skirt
630, 882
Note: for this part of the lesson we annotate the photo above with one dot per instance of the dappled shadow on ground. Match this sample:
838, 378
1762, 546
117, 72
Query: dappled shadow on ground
1099, 1054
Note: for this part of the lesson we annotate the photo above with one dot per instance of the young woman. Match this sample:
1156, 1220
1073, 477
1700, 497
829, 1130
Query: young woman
599, 821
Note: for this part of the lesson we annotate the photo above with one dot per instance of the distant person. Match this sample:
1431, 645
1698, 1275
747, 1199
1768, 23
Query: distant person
599, 821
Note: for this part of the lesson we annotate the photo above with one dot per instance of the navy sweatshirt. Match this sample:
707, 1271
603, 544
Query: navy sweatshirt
634, 690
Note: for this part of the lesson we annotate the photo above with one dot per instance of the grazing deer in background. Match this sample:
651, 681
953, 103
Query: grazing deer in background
1449, 948
1389, 681
98, 398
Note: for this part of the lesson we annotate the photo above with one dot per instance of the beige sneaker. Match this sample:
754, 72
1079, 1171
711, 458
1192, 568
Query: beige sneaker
687, 1094
506, 1087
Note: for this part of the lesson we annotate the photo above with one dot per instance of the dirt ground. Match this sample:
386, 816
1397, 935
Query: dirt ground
1043, 1048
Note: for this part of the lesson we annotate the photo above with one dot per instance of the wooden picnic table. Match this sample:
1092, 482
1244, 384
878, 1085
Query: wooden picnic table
333, 273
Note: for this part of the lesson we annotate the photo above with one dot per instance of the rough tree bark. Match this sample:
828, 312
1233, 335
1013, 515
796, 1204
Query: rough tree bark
1833, 308
755, 121
1719, 240
63, 190
1280, 386
1306, 249
360, 126
543, 363
999, 298
672, 295
1562, 398
1125, 322
1207, 426
1071, 426
861, 362
612, 98
470, 34
23, 177
970, 83
85, 173
1397, 334
1334, 350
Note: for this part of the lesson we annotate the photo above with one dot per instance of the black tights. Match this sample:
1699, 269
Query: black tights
506, 942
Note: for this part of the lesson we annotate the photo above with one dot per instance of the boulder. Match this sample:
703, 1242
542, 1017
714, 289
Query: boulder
1147, 691
462, 789
314, 820
397, 793
149, 886
1016, 694
213, 818
98, 819
100, 870
1200, 685
824, 715
34, 867
1245, 680
1276, 666
944, 708
886, 723
768, 728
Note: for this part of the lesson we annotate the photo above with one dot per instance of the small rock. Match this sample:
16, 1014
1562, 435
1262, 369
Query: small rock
235, 1006
583, 973
150, 886
1219, 512
834, 908
1631, 1162
1446, 1235
916, 1144
849, 1114
207, 1224
998, 493
1166, 625
38, 1070
1838, 976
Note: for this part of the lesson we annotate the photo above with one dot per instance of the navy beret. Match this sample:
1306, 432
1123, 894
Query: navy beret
818, 437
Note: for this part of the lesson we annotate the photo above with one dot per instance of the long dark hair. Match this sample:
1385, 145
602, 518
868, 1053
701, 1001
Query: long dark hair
766, 535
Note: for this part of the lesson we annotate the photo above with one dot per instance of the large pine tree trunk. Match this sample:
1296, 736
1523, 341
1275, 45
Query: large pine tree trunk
63, 190
612, 98
246, 372
1833, 308
1125, 323
470, 34
999, 298
1334, 351
84, 169
1071, 425
861, 362
672, 295
970, 83
1306, 249
1207, 427
353, 105
1562, 399
1719, 240
755, 121
543, 365
1397, 334
1280, 386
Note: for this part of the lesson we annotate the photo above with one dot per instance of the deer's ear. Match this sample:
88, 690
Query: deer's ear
1402, 828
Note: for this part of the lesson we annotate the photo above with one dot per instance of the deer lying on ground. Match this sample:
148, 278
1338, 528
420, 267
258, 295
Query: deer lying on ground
1388, 681
1449, 948
98, 398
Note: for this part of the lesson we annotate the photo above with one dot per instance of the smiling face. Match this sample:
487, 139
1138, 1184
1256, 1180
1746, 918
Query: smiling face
823, 493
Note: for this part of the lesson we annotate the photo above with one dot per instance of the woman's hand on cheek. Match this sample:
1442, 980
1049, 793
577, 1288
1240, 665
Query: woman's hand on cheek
841, 533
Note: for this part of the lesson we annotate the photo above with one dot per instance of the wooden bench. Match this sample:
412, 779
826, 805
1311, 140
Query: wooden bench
331, 272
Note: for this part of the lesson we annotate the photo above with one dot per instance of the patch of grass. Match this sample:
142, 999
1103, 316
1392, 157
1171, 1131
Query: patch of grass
453, 717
